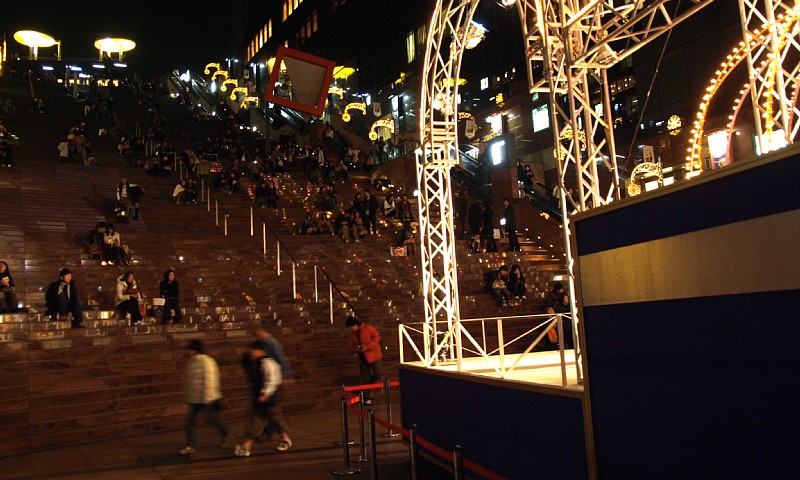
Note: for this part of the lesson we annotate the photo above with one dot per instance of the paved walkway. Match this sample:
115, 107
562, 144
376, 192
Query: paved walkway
314, 455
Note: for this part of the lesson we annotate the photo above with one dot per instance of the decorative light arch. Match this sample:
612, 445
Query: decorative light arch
208, 68
360, 106
383, 123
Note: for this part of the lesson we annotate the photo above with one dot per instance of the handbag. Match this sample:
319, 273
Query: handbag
499, 284
142, 306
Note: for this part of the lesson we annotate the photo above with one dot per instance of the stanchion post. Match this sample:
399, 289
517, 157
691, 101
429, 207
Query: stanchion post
264, 236
216, 213
458, 463
345, 441
373, 445
251, 220
208, 199
387, 387
412, 450
225, 220
362, 449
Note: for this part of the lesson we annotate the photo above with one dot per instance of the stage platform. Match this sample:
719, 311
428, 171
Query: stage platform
540, 368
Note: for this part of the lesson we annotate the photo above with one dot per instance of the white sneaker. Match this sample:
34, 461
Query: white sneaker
241, 451
284, 445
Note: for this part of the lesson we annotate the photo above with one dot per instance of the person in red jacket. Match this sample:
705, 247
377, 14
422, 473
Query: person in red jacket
365, 343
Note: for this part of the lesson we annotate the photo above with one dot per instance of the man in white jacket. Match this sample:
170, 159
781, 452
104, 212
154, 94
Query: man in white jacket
203, 393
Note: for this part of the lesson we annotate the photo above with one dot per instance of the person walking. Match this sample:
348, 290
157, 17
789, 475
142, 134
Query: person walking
365, 343
274, 350
264, 376
203, 393
62, 298
511, 225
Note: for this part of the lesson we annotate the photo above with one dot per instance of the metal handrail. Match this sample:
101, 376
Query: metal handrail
281, 244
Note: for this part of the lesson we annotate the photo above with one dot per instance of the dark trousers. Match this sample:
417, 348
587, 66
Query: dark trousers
171, 304
194, 412
131, 306
370, 373
69, 305
513, 243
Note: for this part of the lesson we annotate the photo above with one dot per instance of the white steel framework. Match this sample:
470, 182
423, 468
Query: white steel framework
774, 70
569, 46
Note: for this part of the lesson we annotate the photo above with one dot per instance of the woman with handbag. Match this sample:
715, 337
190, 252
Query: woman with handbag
128, 297
169, 292
203, 392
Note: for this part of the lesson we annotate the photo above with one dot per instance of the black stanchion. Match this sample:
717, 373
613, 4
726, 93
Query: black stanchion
345, 441
388, 389
349, 442
458, 463
373, 445
412, 450
362, 450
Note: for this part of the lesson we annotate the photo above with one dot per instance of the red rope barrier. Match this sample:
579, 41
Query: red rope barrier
435, 449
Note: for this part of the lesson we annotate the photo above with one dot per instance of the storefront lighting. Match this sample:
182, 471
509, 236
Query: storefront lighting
98, 66
34, 41
120, 65
47, 67
75, 68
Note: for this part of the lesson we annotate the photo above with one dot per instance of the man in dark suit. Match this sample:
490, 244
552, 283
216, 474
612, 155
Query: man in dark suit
511, 225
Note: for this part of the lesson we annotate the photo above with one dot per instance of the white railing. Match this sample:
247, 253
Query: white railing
483, 339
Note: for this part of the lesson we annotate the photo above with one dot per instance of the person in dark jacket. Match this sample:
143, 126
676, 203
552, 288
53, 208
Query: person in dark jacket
511, 225
265, 378
10, 302
170, 292
62, 298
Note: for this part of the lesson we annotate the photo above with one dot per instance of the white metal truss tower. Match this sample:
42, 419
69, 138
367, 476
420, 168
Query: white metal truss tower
569, 46
774, 71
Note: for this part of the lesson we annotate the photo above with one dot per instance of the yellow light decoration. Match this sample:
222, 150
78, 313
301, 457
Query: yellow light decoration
271, 63
383, 123
566, 134
783, 29
341, 73
34, 41
114, 45
219, 73
247, 100
207, 70
362, 107
466, 115
674, 122
238, 90
31, 38
224, 86
646, 167
336, 91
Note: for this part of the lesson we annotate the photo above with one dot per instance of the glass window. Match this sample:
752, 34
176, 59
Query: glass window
410, 47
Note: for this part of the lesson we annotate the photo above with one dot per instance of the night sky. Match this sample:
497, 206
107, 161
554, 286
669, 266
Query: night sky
168, 34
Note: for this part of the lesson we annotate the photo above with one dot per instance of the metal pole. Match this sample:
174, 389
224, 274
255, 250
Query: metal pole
294, 279
345, 441
208, 198
387, 387
561, 349
225, 220
278, 249
373, 445
362, 449
251, 221
501, 346
412, 450
202, 188
330, 299
458, 463
216, 212
264, 235
316, 292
